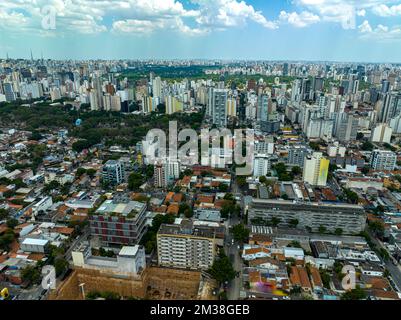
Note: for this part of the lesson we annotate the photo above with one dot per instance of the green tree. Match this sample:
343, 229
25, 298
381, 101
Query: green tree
367, 146
354, 294
338, 232
31, 274
12, 223
240, 233
275, 221
135, 180
322, 229
222, 269
293, 223
296, 171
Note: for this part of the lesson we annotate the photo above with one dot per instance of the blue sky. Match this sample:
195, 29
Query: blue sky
340, 30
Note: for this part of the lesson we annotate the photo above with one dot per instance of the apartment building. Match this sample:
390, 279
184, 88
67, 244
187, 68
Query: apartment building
119, 223
350, 218
187, 245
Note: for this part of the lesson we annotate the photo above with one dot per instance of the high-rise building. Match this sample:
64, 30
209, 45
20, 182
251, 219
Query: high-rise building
382, 133
316, 169
9, 91
173, 105
187, 245
383, 160
113, 172
261, 165
346, 127
219, 107
297, 155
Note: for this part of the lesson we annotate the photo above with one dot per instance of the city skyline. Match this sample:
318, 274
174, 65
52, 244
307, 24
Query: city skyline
330, 30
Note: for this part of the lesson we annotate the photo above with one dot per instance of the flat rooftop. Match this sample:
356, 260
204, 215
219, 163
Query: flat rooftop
129, 209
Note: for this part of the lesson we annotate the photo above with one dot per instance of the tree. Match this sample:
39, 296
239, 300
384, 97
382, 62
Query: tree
31, 274
222, 269
91, 173
296, 171
61, 265
80, 172
365, 170
262, 179
322, 229
241, 181
338, 232
275, 221
3, 214
354, 294
367, 146
135, 180
377, 227
240, 233
294, 223
12, 223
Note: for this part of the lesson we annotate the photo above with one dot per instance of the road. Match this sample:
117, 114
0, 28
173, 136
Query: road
394, 270
232, 252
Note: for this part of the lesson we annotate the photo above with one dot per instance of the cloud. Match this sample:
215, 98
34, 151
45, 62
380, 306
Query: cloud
223, 14
301, 20
365, 27
344, 12
383, 10
380, 33
131, 16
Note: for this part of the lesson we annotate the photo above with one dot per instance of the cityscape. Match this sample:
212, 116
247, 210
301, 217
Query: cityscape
199, 179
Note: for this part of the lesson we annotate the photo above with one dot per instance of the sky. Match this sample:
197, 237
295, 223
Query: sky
323, 30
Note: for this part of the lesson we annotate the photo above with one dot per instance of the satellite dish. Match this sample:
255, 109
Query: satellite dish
78, 122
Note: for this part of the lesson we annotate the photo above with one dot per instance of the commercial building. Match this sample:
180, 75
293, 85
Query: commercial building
119, 223
188, 245
350, 218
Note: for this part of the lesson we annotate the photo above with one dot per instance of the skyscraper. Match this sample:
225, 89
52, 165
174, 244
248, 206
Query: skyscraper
219, 107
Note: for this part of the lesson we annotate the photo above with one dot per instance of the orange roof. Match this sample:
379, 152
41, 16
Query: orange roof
178, 197
160, 209
391, 295
256, 250
173, 208
64, 230
169, 196
36, 256
315, 276
206, 199
299, 277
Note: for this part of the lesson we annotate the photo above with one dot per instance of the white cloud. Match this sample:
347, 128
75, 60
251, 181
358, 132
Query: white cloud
344, 12
365, 27
361, 13
383, 10
222, 14
380, 33
301, 20
131, 16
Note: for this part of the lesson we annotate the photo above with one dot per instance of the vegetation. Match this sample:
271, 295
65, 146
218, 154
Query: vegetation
240, 233
149, 238
222, 269
354, 294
